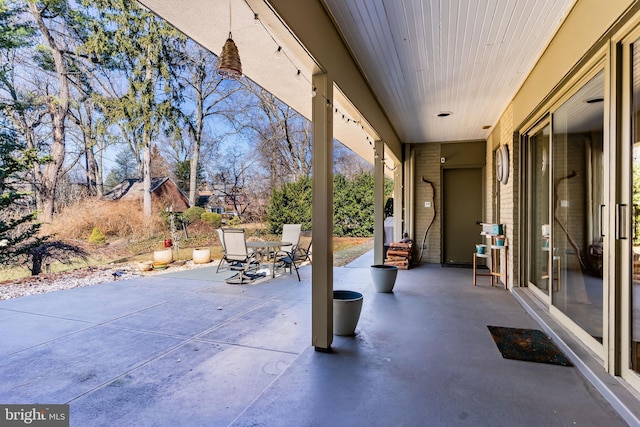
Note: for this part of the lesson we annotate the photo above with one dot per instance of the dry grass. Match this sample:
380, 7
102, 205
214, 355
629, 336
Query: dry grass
113, 219
346, 249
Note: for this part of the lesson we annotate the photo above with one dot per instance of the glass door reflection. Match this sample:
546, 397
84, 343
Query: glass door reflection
578, 205
538, 210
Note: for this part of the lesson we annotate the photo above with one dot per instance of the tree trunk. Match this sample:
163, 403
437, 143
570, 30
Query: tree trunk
36, 264
193, 175
92, 172
89, 138
58, 109
195, 156
146, 140
146, 168
99, 174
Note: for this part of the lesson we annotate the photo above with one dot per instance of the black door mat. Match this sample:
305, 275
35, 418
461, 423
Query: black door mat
530, 345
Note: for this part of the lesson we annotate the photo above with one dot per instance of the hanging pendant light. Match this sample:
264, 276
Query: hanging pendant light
229, 66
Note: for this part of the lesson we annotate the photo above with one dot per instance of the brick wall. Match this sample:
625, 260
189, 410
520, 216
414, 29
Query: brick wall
501, 195
504, 197
427, 165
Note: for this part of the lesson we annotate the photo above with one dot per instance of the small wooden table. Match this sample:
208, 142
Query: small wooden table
495, 254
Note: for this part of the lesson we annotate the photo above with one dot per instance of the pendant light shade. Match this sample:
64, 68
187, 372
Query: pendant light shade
229, 66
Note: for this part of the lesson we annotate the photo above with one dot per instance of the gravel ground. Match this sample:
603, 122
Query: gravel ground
84, 277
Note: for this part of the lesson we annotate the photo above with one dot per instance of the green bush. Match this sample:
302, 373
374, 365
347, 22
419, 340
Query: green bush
215, 219
234, 221
290, 205
193, 213
96, 236
353, 204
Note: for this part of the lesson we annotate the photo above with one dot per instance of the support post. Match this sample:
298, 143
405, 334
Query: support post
322, 221
408, 179
398, 204
378, 204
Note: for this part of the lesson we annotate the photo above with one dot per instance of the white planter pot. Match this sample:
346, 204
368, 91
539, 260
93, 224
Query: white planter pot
164, 256
384, 277
347, 306
201, 255
145, 266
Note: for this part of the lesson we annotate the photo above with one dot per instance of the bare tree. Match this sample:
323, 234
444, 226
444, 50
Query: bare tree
37, 91
283, 136
58, 109
208, 96
348, 163
134, 41
84, 117
232, 178
93, 84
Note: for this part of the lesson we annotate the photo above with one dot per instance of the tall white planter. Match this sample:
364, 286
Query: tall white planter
384, 277
347, 306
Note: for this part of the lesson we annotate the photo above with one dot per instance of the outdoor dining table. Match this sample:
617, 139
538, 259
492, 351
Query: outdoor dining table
268, 250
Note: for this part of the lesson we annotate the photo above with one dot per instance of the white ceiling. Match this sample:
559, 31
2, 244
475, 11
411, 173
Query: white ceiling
468, 57
420, 57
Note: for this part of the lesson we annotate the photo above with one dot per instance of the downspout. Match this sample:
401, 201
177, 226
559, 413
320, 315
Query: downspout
433, 218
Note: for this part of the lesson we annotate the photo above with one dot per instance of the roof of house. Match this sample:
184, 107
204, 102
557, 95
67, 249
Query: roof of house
134, 189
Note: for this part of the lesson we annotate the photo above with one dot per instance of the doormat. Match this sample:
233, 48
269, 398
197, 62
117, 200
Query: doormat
530, 345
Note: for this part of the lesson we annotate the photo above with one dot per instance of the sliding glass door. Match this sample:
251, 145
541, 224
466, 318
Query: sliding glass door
565, 208
578, 206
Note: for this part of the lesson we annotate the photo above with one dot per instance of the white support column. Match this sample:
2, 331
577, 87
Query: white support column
322, 222
408, 181
398, 204
378, 203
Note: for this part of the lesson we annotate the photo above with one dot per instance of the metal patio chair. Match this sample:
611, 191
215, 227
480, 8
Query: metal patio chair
239, 257
291, 234
221, 239
290, 255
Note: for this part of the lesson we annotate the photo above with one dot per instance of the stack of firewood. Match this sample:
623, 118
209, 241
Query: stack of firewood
399, 254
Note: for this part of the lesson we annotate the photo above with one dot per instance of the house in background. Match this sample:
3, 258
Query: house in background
220, 198
163, 191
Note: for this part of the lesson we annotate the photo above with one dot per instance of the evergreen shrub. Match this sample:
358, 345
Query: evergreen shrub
215, 219
96, 236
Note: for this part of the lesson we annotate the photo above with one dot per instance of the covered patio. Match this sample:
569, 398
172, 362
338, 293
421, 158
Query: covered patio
415, 88
185, 348
189, 349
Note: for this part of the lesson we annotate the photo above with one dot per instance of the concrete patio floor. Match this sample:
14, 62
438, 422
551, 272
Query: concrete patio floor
187, 349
